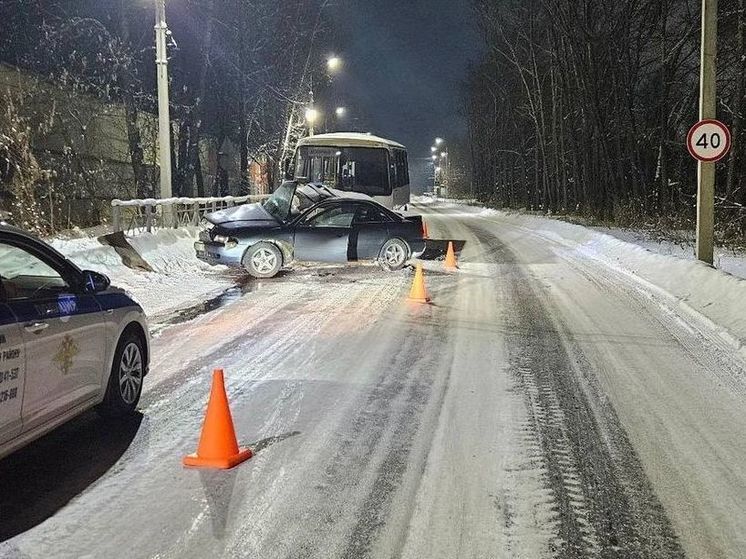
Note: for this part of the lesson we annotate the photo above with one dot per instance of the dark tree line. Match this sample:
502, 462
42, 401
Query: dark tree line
239, 70
583, 106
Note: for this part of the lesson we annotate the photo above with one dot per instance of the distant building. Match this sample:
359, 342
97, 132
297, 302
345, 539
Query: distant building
260, 175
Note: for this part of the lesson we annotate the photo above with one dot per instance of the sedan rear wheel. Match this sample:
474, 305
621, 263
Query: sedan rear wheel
263, 260
394, 254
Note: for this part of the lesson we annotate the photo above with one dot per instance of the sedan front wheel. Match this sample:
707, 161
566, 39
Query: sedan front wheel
263, 260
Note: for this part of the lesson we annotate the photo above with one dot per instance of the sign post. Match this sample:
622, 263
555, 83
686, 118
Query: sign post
707, 109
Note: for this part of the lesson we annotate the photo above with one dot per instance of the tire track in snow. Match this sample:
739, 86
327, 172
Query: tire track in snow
697, 336
591, 495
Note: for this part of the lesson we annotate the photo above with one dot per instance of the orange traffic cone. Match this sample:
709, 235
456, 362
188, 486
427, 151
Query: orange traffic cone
418, 294
218, 447
451, 257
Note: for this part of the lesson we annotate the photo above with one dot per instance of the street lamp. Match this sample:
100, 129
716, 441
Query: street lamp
340, 112
312, 116
438, 141
333, 64
433, 149
434, 157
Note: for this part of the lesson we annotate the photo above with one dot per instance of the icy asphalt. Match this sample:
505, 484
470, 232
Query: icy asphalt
543, 406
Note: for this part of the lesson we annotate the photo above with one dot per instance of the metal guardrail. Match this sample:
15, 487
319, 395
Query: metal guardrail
151, 214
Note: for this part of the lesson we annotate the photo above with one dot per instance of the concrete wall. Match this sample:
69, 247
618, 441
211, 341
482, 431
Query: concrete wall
65, 122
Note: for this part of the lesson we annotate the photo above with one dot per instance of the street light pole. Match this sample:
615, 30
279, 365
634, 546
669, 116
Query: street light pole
446, 164
310, 111
707, 110
164, 118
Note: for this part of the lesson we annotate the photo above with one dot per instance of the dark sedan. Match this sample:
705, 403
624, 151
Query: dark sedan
307, 222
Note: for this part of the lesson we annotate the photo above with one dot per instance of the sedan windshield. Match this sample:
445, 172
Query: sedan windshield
279, 204
291, 200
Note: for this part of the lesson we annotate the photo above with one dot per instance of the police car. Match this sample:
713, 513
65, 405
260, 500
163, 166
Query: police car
68, 342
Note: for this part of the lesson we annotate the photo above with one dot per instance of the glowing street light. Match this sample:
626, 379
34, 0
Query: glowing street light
444, 154
312, 116
434, 157
437, 169
433, 149
333, 64
340, 112
438, 141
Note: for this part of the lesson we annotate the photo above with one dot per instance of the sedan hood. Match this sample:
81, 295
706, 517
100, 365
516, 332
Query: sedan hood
247, 215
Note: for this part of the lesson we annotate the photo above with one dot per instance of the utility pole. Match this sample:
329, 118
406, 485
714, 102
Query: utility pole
707, 110
164, 118
448, 173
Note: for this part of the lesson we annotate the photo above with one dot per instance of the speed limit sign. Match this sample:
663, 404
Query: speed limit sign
708, 141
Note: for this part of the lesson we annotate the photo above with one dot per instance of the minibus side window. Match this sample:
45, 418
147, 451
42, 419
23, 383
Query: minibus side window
365, 170
401, 173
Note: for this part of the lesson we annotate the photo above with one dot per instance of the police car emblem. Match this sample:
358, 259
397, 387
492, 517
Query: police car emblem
66, 354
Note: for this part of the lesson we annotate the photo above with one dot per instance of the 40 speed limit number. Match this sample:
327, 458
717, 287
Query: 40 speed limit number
708, 141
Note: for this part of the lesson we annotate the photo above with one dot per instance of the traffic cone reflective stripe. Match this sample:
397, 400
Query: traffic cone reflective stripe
418, 294
451, 257
218, 447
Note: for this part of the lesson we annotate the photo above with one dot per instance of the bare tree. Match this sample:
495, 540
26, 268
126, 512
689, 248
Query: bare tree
583, 106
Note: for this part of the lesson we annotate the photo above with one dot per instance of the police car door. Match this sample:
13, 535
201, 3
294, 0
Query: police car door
11, 372
62, 328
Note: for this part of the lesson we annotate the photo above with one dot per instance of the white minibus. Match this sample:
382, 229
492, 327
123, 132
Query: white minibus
355, 162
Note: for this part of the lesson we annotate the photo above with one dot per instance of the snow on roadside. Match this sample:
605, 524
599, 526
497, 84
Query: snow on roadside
726, 260
701, 291
178, 279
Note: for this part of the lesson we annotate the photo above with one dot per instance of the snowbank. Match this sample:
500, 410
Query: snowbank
178, 277
726, 260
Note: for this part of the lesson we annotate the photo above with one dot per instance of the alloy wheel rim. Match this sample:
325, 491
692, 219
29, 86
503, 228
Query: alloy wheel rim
130, 373
394, 255
264, 260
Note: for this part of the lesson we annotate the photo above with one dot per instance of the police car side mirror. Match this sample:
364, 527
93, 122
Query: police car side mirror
95, 282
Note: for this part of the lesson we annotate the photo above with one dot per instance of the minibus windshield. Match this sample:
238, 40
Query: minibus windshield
355, 169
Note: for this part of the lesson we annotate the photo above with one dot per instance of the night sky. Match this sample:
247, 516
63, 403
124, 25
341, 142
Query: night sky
405, 61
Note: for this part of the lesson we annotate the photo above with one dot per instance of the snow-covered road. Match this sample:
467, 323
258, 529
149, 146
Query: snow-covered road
545, 405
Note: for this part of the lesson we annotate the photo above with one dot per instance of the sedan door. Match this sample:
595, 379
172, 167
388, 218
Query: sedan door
323, 235
12, 365
369, 232
62, 328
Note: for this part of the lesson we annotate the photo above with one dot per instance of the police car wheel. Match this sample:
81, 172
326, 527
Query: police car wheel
125, 381
263, 260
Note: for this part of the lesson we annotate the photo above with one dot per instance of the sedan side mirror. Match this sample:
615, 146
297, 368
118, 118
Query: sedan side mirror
95, 282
